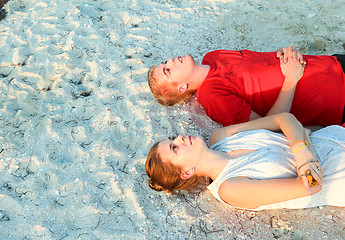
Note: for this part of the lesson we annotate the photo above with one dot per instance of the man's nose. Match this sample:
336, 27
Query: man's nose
169, 62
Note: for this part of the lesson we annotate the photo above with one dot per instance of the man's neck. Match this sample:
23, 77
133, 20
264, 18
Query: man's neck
200, 75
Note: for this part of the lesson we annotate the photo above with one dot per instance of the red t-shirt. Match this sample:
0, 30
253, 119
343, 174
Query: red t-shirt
241, 81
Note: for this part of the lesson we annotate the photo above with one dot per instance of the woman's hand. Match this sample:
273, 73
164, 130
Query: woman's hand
306, 161
292, 69
307, 131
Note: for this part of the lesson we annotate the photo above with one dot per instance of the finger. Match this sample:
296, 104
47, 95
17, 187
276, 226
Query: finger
295, 56
309, 171
319, 172
281, 58
300, 57
316, 172
321, 176
279, 52
307, 131
317, 175
284, 51
306, 184
286, 54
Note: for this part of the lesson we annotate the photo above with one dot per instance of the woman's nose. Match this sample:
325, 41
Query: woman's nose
179, 140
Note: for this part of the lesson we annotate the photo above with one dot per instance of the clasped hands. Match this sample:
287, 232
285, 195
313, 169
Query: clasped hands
289, 53
292, 64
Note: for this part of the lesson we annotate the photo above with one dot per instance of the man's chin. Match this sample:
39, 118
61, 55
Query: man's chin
188, 55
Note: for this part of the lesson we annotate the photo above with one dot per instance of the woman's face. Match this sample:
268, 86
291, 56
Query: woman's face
182, 151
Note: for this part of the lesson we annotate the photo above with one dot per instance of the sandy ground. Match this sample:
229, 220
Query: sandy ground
77, 117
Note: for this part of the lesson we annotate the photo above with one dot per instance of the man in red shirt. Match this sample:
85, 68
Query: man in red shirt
237, 86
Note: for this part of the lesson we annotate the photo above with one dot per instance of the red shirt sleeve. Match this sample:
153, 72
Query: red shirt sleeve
228, 109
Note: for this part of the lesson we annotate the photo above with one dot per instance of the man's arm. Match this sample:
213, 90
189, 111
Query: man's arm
285, 97
293, 71
292, 66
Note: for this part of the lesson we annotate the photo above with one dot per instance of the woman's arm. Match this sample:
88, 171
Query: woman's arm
286, 122
293, 130
312, 150
244, 192
307, 139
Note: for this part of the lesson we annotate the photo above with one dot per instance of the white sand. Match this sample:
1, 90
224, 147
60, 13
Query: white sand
77, 117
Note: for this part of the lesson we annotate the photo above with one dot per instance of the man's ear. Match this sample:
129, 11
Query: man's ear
182, 87
187, 173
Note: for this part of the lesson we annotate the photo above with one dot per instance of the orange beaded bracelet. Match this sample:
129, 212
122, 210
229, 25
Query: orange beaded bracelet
298, 142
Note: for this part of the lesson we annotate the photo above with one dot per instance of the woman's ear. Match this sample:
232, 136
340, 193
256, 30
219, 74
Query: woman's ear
187, 173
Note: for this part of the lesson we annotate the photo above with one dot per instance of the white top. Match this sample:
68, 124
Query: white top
273, 159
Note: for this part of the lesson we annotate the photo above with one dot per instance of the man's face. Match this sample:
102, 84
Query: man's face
176, 70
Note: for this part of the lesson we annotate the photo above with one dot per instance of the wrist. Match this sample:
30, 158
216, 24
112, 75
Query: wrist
297, 145
290, 82
298, 148
303, 155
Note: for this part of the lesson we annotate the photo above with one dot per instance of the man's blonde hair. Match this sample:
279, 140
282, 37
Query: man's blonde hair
166, 94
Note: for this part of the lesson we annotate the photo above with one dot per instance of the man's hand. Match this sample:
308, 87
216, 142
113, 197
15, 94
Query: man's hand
297, 56
291, 68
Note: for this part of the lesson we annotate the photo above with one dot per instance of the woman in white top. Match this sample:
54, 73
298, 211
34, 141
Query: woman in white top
254, 168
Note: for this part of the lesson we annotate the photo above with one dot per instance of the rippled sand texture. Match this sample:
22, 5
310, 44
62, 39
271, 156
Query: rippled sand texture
77, 117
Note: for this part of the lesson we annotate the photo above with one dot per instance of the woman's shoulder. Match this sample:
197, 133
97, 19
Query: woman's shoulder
221, 137
230, 189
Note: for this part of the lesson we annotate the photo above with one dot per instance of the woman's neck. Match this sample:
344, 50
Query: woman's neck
213, 164
214, 161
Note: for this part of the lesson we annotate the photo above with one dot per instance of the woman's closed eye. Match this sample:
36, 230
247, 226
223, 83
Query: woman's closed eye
174, 148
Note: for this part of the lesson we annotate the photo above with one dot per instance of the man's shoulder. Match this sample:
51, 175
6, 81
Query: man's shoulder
213, 90
223, 57
213, 84
220, 52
